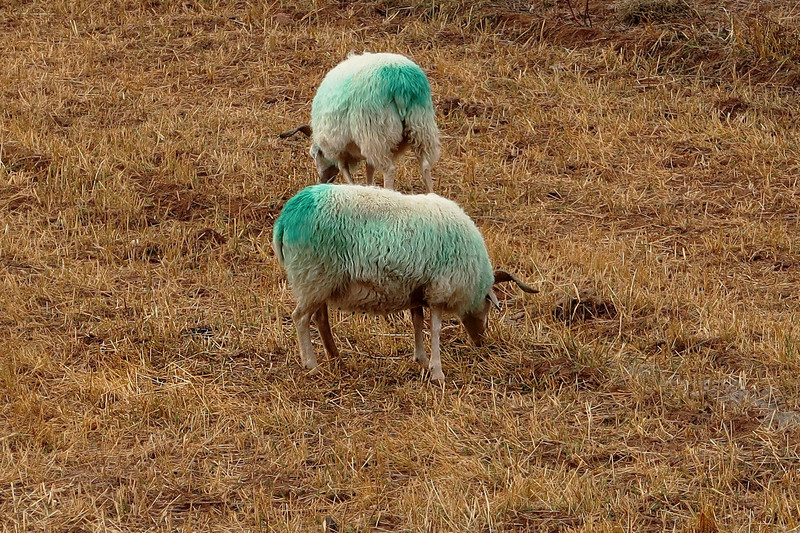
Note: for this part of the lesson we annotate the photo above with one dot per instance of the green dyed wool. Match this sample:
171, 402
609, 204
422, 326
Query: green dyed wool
330, 235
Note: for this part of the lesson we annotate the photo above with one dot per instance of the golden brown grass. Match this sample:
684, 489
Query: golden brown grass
148, 373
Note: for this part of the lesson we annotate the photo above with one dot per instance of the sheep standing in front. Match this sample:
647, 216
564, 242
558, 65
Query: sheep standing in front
372, 107
378, 251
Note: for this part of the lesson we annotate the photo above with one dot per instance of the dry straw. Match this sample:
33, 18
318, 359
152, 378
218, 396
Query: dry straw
149, 378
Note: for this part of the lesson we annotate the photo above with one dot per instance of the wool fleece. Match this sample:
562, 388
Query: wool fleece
376, 250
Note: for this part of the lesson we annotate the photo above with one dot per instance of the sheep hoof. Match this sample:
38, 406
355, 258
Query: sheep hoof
437, 376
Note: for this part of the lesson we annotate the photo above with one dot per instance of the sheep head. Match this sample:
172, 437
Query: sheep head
475, 322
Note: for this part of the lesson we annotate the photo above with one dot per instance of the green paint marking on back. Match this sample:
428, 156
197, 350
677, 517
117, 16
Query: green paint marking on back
405, 83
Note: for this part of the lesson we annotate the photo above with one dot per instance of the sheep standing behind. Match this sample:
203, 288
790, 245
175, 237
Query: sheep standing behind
373, 250
372, 107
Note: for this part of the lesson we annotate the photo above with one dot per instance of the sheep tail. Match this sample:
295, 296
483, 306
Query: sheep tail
420, 128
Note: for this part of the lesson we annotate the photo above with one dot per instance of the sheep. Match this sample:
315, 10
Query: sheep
372, 107
374, 250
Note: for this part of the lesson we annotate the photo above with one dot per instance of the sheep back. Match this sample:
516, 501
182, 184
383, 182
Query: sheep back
371, 249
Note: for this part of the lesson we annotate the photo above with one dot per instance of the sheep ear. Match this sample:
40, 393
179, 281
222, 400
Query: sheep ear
304, 129
501, 276
492, 297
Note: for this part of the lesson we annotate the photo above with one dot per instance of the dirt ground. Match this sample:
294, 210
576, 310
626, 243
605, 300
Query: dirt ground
636, 160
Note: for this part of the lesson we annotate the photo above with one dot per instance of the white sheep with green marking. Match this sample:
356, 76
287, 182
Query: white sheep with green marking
372, 107
374, 250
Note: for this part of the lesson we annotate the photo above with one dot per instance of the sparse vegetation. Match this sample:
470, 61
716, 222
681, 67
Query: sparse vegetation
639, 11
646, 175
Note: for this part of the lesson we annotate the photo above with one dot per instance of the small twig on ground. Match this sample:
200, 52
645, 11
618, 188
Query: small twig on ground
572, 12
586, 14
584, 19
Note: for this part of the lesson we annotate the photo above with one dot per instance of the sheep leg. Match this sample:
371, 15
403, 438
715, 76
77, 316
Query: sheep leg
344, 168
425, 164
370, 174
389, 172
302, 319
425, 170
436, 360
324, 327
418, 318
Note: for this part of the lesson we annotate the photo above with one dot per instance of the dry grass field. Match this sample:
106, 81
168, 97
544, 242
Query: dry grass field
645, 158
